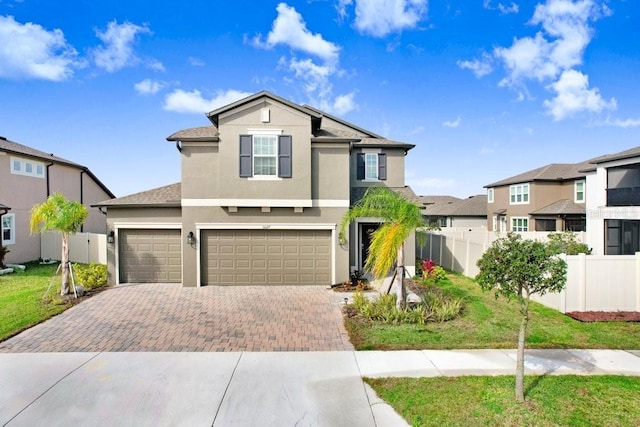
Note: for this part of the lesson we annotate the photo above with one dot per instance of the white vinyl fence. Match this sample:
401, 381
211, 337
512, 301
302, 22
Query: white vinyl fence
594, 283
84, 248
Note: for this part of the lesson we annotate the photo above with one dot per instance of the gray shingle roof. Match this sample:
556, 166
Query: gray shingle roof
471, 206
167, 196
202, 133
561, 207
550, 172
632, 152
12, 147
437, 200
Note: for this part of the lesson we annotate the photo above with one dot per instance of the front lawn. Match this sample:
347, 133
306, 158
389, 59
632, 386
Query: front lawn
489, 401
21, 299
490, 323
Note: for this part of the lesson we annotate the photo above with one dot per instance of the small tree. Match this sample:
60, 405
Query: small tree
59, 214
566, 243
400, 217
514, 267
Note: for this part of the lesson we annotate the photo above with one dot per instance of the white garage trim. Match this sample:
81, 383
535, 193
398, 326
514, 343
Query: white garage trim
137, 225
283, 203
265, 226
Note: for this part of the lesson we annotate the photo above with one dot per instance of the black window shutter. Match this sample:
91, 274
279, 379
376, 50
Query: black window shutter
382, 166
360, 165
246, 155
284, 156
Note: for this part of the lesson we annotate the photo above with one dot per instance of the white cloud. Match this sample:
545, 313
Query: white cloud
290, 29
317, 65
626, 123
574, 96
452, 123
502, 8
193, 102
29, 51
148, 87
196, 62
341, 8
117, 50
480, 67
154, 64
382, 17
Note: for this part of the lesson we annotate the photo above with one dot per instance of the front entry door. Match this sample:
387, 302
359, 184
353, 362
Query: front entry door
365, 241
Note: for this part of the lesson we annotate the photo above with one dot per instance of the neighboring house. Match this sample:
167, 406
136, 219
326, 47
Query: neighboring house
448, 211
613, 203
28, 176
262, 195
549, 198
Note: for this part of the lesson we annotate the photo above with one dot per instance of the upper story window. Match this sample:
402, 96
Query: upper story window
519, 224
623, 185
519, 194
8, 229
371, 166
265, 155
489, 195
26, 167
579, 193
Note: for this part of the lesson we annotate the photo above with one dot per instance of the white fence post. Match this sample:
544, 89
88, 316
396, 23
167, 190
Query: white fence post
582, 274
637, 281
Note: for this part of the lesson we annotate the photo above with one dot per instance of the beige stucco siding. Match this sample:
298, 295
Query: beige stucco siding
241, 122
395, 167
330, 171
201, 177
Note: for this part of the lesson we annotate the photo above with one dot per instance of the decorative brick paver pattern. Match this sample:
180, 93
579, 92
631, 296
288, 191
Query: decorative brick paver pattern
169, 317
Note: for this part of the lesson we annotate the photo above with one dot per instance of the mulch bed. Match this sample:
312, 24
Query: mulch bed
605, 316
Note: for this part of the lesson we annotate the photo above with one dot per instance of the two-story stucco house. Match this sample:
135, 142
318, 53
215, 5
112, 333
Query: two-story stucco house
613, 203
549, 198
262, 193
27, 177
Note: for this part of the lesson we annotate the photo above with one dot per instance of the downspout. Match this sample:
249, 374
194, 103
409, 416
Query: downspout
82, 195
48, 184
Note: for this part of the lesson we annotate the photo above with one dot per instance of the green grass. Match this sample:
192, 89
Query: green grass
21, 298
490, 323
489, 401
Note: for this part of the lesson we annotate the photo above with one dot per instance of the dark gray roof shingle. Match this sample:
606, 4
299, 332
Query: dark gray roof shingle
472, 206
14, 147
632, 152
550, 172
202, 133
167, 196
561, 207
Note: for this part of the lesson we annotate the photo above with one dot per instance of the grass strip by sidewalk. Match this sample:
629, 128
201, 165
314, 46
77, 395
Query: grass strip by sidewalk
487, 322
21, 298
489, 401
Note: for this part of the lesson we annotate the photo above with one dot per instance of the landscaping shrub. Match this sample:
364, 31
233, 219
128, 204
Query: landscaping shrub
433, 307
90, 276
431, 272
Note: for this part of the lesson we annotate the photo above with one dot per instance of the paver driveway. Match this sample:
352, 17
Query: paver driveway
169, 317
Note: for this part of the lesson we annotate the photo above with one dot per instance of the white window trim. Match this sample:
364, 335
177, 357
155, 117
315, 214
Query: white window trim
528, 193
370, 151
12, 240
23, 165
490, 195
584, 191
513, 218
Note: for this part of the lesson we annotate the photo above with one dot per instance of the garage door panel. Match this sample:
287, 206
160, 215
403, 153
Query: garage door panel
147, 256
271, 257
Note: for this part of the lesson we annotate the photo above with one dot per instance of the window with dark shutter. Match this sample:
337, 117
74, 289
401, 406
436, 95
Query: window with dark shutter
360, 165
382, 166
246, 153
284, 156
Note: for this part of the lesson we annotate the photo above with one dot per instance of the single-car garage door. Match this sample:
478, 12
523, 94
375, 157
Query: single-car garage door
150, 256
266, 257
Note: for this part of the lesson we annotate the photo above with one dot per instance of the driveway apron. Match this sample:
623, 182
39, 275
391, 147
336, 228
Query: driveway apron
170, 317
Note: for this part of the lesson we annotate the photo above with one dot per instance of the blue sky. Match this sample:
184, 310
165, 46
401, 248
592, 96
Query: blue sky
485, 89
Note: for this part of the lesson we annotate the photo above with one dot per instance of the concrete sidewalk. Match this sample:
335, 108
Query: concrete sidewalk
245, 388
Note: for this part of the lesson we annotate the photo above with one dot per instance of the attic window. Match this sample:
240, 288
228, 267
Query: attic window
26, 167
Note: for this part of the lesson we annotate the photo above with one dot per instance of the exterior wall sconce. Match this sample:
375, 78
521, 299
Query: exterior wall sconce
190, 238
111, 237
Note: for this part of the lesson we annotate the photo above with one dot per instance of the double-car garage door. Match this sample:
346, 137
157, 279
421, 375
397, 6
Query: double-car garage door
266, 257
229, 257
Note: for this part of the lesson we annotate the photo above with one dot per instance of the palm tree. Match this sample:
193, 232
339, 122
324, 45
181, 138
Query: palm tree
399, 218
59, 214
